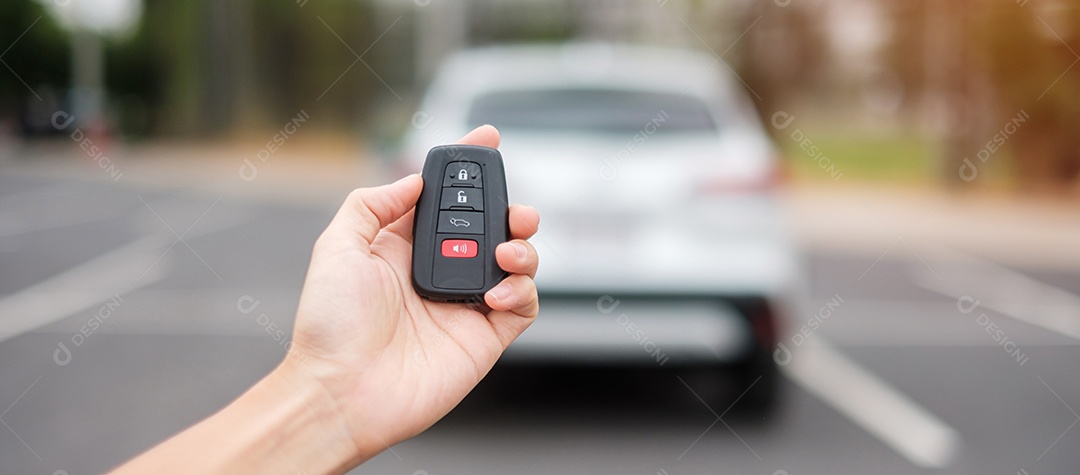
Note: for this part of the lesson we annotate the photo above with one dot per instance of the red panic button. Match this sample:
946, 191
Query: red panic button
459, 248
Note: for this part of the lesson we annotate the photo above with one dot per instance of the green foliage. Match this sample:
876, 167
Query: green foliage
306, 58
862, 157
135, 80
211, 67
37, 52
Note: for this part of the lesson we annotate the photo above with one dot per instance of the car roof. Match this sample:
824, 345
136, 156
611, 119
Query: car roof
601, 65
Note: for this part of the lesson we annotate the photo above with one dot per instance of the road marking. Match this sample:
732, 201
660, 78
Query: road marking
120, 271
194, 311
1006, 291
20, 199
51, 223
81, 287
902, 323
872, 404
56, 207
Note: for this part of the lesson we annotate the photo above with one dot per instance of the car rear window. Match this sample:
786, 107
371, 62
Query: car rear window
598, 110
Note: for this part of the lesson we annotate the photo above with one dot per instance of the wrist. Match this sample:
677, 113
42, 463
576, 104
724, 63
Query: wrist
286, 423
316, 426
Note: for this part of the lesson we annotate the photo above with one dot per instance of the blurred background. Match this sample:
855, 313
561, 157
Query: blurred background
166, 166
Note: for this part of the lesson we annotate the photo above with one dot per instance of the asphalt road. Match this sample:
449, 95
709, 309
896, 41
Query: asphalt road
897, 379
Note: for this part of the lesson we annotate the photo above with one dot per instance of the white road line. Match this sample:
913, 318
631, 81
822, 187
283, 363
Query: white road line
50, 223
1005, 291
192, 311
873, 405
81, 287
20, 199
117, 272
56, 207
899, 323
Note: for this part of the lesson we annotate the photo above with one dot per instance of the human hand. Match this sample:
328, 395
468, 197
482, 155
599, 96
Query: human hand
371, 363
391, 362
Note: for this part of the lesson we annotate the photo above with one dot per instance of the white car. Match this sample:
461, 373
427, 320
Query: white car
661, 241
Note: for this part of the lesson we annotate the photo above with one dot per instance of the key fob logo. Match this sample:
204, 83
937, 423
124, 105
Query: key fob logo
462, 175
461, 198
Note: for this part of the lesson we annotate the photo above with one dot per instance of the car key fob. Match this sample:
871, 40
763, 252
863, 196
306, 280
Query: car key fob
461, 216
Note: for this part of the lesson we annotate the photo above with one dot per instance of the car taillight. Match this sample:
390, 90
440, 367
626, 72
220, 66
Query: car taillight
713, 185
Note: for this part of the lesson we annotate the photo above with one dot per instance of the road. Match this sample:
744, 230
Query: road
120, 325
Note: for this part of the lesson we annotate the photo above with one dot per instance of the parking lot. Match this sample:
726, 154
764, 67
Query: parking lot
122, 326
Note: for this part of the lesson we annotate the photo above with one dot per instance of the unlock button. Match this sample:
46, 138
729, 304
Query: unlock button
462, 198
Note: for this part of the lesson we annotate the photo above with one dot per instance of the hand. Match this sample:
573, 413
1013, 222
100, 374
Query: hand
392, 362
371, 363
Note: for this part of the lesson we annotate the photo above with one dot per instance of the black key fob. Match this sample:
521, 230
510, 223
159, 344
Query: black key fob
460, 218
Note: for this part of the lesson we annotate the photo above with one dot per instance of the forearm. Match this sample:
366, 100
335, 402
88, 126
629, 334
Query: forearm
281, 425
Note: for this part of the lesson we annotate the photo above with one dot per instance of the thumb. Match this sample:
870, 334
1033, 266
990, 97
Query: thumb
367, 210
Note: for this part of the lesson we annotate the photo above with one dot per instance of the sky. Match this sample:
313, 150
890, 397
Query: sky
103, 16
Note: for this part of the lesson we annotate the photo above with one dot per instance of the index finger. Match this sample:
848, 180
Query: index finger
485, 136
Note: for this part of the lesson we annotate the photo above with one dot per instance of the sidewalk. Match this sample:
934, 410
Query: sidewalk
297, 173
1009, 229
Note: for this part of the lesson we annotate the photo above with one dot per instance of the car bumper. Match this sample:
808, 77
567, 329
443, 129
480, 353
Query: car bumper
634, 331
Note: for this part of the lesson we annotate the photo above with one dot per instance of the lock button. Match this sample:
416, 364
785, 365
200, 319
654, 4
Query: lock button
462, 198
461, 173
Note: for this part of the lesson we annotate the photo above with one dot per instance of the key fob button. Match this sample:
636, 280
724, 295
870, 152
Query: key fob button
462, 198
459, 248
460, 222
463, 173
458, 269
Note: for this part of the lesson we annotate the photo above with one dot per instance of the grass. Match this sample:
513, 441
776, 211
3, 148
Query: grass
903, 158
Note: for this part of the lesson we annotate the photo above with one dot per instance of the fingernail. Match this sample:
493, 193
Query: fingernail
519, 248
501, 291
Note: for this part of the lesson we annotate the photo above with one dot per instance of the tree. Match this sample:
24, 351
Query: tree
1028, 50
37, 73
